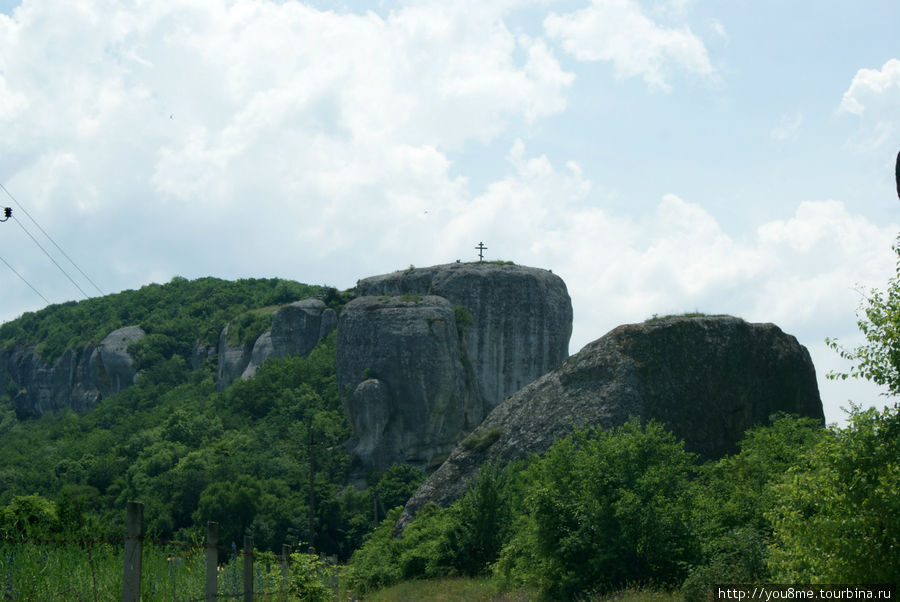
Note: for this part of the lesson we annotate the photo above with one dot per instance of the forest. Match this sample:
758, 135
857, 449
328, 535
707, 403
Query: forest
599, 511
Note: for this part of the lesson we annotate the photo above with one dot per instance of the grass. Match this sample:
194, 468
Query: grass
462, 589
74, 571
482, 438
690, 314
449, 589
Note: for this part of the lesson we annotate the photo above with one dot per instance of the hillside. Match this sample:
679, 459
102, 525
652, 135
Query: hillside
608, 504
192, 454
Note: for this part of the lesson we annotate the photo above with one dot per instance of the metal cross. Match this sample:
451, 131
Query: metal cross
481, 248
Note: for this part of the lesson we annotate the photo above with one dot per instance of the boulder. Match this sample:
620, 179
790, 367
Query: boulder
112, 368
707, 379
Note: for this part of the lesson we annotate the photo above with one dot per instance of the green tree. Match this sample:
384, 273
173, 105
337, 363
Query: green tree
878, 359
731, 497
836, 515
479, 522
605, 509
28, 516
397, 484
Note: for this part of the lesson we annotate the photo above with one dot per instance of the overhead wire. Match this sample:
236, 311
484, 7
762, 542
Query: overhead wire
50, 238
65, 273
25, 281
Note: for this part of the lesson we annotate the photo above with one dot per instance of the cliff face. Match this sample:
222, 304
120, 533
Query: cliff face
445, 344
706, 379
78, 379
296, 328
401, 368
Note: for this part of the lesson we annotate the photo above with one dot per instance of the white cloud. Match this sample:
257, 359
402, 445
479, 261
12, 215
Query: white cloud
871, 87
257, 122
874, 96
787, 128
257, 138
620, 32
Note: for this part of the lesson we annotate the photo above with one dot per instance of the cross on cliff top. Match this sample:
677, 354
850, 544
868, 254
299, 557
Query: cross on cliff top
481, 248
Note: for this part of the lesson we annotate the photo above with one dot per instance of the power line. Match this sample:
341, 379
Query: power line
25, 281
44, 232
65, 273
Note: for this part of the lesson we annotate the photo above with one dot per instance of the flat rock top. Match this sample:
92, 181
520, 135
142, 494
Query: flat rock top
434, 278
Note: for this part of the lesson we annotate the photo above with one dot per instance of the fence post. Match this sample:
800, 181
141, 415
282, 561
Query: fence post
134, 531
285, 557
212, 561
248, 568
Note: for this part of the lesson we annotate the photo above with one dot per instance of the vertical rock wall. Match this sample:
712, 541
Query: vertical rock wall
502, 325
77, 380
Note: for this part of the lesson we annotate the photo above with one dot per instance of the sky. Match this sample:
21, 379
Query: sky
661, 156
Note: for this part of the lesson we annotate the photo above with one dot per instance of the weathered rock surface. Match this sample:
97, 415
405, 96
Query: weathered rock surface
296, 329
77, 380
707, 379
522, 318
444, 345
405, 386
112, 368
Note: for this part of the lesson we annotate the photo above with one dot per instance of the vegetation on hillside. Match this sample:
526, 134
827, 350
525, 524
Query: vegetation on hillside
629, 507
183, 310
190, 454
599, 512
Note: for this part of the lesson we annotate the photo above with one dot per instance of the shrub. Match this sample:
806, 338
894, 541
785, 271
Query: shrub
603, 511
482, 438
836, 515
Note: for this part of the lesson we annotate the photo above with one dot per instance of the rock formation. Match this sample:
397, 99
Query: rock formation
296, 328
77, 380
707, 379
424, 354
407, 391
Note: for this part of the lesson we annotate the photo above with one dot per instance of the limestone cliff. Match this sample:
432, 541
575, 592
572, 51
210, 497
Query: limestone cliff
77, 380
441, 347
401, 366
707, 379
296, 328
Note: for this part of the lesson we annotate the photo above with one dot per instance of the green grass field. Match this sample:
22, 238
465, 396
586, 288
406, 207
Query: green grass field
460, 589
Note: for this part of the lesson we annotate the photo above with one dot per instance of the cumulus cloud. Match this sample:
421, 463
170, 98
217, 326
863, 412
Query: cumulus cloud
873, 96
254, 138
871, 87
192, 121
619, 31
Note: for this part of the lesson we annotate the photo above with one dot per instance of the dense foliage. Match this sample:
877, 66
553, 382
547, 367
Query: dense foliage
844, 497
182, 310
878, 359
599, 511
190, 454
604, 510
797, 504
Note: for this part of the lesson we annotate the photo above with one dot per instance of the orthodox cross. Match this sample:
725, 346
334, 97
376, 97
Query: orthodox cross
481, 248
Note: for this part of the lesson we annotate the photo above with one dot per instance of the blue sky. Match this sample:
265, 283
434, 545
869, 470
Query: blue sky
661, 156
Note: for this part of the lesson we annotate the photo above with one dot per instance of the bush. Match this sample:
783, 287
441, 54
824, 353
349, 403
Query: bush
731, 497
836, 515
309, 578
479, 522
603, 511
